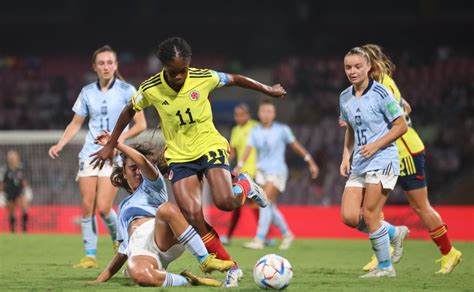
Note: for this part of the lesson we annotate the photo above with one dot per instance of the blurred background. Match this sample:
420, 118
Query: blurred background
45, 60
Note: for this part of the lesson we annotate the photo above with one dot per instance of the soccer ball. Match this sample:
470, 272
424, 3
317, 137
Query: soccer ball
272, 272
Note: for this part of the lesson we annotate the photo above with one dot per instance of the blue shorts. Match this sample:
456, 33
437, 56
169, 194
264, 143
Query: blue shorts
412, 172
199, 167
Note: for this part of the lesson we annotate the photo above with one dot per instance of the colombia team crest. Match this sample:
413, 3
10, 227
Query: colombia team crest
194, 95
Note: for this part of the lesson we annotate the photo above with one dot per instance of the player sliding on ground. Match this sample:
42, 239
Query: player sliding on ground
152, 231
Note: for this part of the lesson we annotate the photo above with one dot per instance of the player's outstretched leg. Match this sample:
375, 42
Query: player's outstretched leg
169, 220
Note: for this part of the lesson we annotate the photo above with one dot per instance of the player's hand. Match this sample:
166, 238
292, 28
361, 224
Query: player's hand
102, 138
277, 91
101, 156
54, 151
342, 123
345, 168
314, 170
368, 150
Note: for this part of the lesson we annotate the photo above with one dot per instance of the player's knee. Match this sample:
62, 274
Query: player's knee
194, 217
225, 204
87, 209
350, 220
166, 211
141, 276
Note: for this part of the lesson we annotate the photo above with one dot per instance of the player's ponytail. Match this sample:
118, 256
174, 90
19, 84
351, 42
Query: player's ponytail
381, 63
108, 48
172, 48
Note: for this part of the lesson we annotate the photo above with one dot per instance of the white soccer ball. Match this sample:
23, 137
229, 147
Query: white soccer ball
272, 272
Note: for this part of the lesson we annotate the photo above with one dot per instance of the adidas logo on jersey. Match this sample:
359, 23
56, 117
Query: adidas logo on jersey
165, 103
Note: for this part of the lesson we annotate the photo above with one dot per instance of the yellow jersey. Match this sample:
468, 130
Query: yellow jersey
185, 116
239, 137
410, 143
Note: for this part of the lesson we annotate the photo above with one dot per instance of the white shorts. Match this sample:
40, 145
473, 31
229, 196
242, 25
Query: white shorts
142, 242
373, 177
86, 169
278, 181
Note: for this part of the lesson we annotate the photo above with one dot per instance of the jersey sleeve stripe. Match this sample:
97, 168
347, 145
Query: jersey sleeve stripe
382, 90
148, 86
202, 76
151, 80
380, 93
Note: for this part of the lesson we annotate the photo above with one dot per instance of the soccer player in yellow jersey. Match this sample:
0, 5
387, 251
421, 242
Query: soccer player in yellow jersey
412, 166
194, 148
238, 141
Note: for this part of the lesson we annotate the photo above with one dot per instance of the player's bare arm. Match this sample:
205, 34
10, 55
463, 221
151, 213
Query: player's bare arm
113, 267
146, 167
242, 81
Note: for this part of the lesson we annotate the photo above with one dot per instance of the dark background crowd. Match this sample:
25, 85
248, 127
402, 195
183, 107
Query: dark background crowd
45, 59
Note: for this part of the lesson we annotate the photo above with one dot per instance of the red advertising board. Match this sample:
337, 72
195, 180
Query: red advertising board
304, 221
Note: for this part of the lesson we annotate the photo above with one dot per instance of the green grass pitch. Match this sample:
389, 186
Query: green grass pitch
44, 262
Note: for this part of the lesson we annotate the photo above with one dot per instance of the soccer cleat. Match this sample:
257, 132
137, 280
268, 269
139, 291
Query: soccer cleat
286, 242
233, 277
211, 263
256, 243
380, 273
87, 263
116, 245
255, 193
372, 265
200, 281
401, 233
449, 261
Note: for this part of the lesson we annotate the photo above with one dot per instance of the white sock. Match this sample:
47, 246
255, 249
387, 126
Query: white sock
193, 243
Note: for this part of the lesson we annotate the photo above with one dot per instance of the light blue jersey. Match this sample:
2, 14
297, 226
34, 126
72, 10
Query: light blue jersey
142, 203
371, 115
103, 110
270, 144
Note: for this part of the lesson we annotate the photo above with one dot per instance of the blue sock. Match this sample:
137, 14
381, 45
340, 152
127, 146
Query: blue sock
391, 229
194, 244
110, 221
279, 220
89, 235
173, 280
264, 221
381, 245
